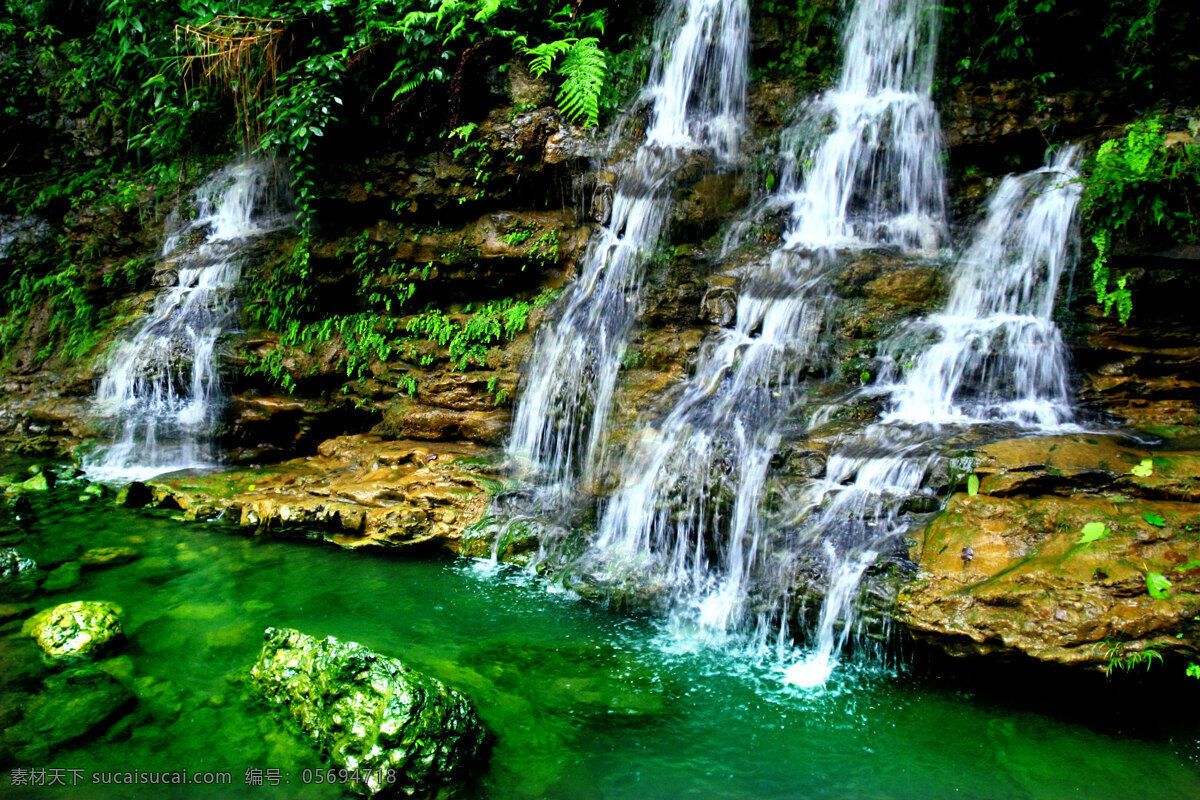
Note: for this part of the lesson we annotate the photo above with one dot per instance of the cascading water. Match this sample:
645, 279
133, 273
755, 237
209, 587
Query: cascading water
998, 357
697, 95
687, 525
161, 391
875, 176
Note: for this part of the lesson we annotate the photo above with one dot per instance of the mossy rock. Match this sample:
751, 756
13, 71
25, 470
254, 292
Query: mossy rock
76, 631
71, 705
408, 733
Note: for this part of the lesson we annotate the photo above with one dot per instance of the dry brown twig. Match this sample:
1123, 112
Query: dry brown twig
240, 54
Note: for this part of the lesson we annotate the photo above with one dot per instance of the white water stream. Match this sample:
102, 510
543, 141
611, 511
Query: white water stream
687, 524
696, 93
997, 356
161, 391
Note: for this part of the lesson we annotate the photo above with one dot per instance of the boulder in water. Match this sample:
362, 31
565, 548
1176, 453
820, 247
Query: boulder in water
76, 631
14, 566
63, 577
108, 556
405, 733
72, 704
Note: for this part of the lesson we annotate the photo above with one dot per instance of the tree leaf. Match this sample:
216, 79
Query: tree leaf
1144, 469
1158, 586
973, 485
1093, 531
1155, 520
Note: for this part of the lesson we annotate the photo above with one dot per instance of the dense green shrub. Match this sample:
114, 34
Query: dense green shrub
1126, 46
1143, 187
110, 104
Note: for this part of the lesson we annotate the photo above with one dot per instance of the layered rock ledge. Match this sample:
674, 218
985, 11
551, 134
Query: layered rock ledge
1009, 571
359, 491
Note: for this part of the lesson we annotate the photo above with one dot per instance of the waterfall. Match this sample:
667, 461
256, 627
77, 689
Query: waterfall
687, 525
161, 390
875, 176
998, 357
696, 93
998, 354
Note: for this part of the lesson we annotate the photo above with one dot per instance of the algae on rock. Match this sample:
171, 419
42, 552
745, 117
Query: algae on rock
404, 732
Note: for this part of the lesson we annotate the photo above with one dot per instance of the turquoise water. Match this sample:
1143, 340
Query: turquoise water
585, 703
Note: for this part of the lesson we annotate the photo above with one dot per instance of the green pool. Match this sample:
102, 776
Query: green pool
585, 703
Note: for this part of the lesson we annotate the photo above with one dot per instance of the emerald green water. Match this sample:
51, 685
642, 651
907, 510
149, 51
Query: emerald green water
585, 703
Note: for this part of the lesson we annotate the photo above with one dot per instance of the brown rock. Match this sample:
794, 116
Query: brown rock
359, 491
1031, 587
907, 287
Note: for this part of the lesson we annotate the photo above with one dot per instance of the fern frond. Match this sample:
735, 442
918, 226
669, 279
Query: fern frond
594, 21
544, 55
487, 9
584, 69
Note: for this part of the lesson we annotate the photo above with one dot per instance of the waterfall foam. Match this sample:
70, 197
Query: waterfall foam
161, 390
696, 93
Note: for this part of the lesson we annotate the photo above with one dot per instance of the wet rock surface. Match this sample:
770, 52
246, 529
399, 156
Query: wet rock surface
1146, 374
1012, 571
14, 566
77, 631
359, 491
407, 733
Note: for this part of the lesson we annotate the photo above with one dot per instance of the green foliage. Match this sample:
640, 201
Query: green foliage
808, 29
1126, 662
289, 300
1144, 469
1093, 532
1141, 187
1158, 586
1155, 520
583, 70
1193, 670
973, 485
1134, 46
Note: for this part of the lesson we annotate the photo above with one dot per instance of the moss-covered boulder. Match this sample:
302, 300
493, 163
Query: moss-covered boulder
77, 631
1076, 550
71, 705
405, 733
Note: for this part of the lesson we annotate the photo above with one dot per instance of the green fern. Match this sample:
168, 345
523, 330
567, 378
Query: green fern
583, 69
544, 55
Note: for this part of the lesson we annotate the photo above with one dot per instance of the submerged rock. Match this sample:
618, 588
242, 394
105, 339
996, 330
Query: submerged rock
108, 556
406, 733
79, 630
72, 704
63, 577
14, 566
1012, 570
